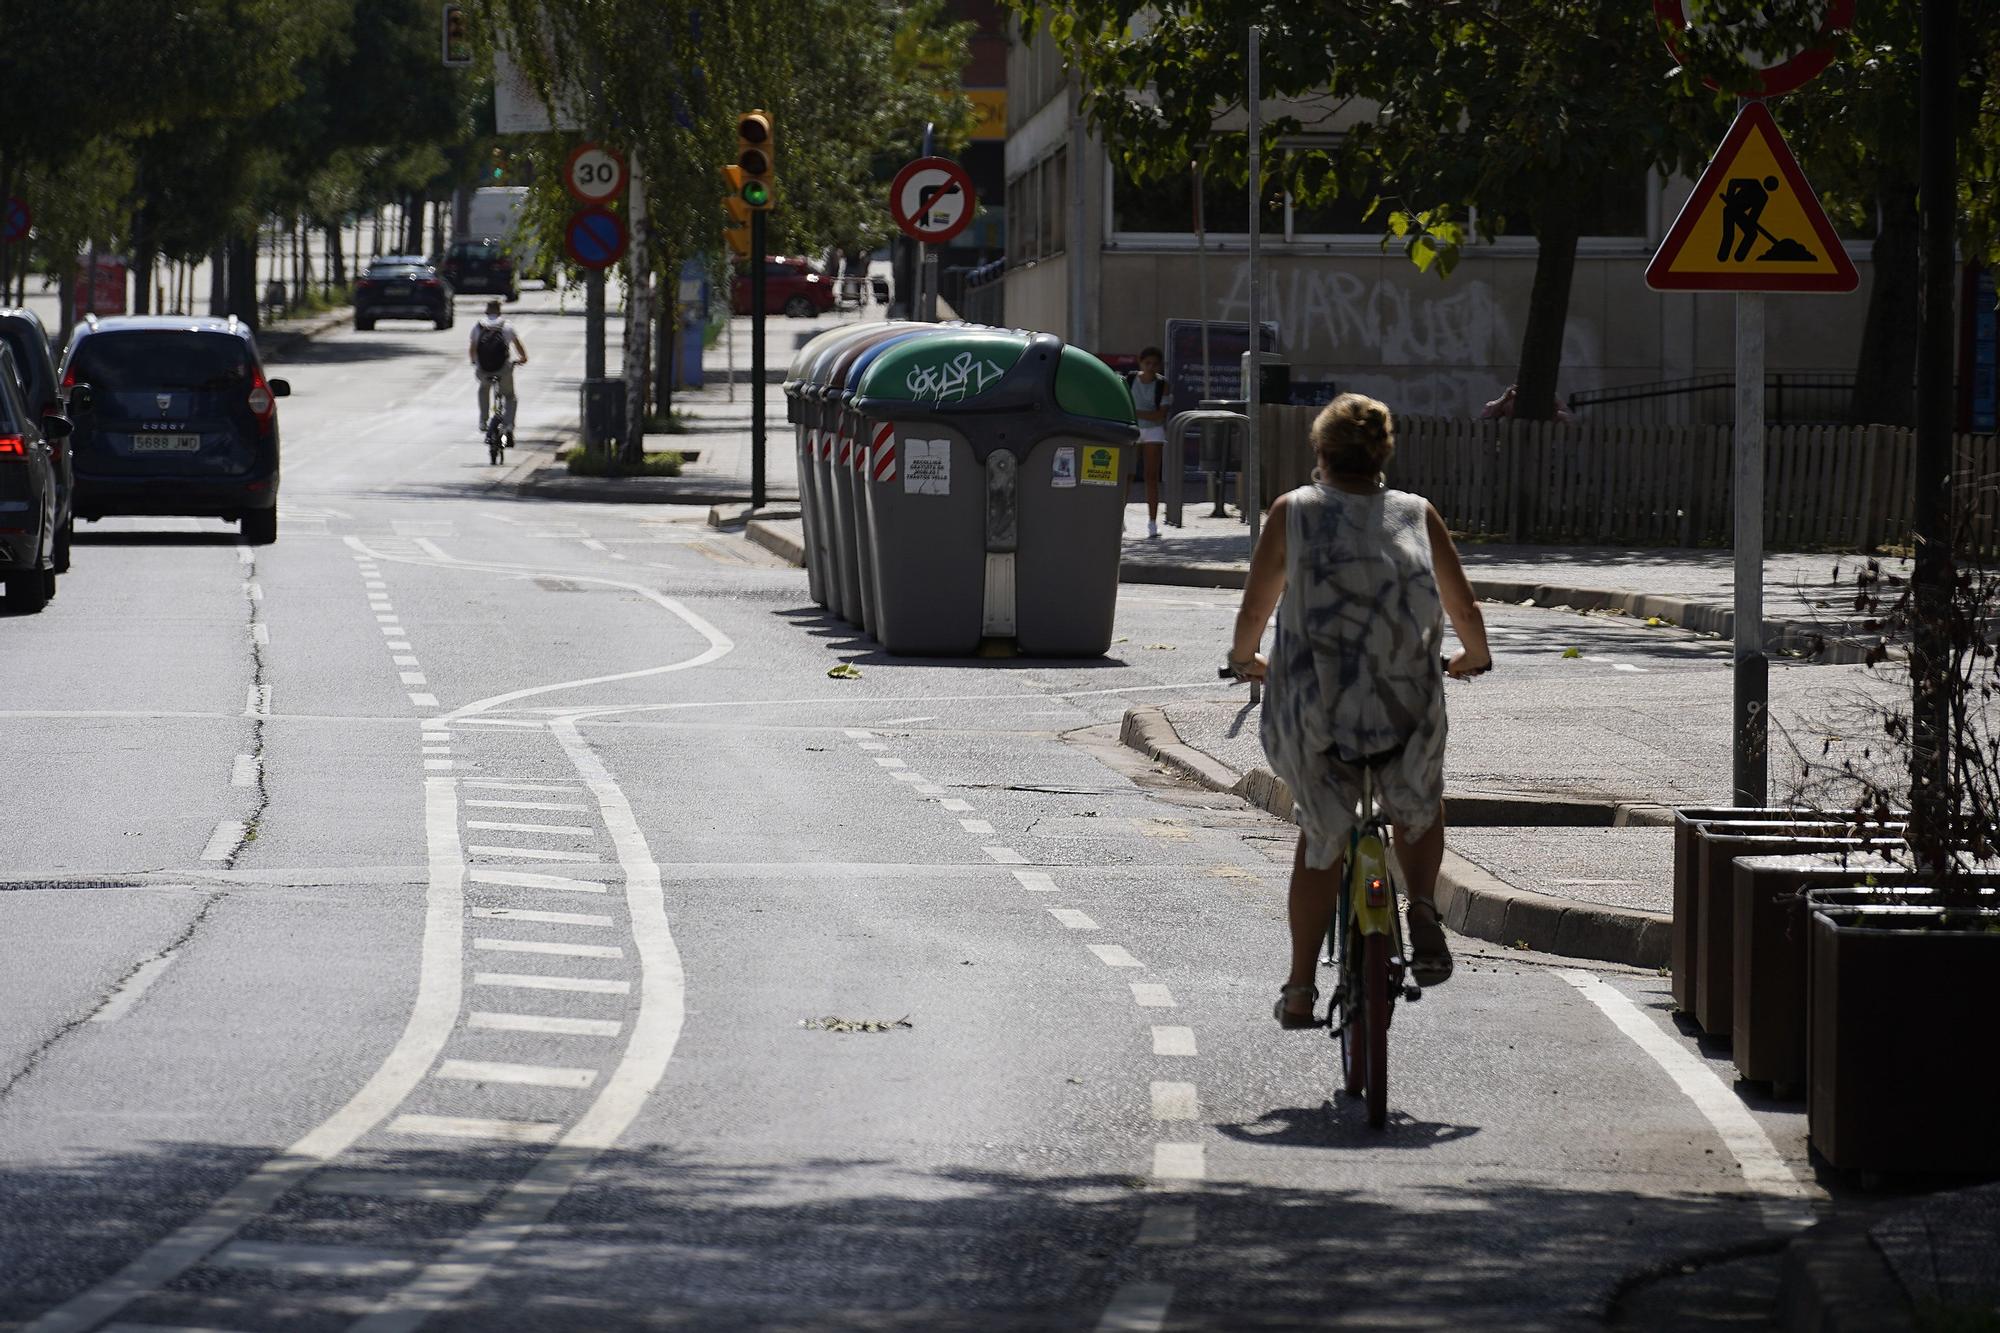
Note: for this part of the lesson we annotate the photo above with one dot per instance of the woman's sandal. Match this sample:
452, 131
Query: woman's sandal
1430, 956
1286, 1018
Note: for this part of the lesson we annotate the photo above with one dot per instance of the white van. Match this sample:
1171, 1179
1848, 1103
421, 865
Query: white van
493, 212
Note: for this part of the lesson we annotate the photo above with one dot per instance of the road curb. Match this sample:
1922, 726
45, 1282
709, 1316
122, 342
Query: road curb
1472, 900
1836, 1281
776, 536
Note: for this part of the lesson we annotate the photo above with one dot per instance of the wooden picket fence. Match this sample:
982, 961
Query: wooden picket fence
1825, 487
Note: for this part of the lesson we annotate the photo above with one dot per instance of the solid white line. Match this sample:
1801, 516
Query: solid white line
261, 633
224, 841
953, 803
1784, 1199
128, 991
901, 721
502, 1071
528, 879
471, 1127
397, 1185
1137, 1307
1005, 856
1114, 955
1168, 1224
570, 829
1072, 918
542, 918
556, 947
1152, 995
549, 1023
523, 981
525, 854
1179, 1161
424, 700
1036, 881
243, 773
979, 828
1175, 1101
1173, 1041
533, 805
345, 1261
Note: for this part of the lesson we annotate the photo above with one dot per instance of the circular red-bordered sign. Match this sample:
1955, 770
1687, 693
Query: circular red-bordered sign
593, 173
1788, 74
932, 199
594, 237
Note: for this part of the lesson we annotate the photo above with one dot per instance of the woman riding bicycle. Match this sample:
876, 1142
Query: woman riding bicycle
1353, 673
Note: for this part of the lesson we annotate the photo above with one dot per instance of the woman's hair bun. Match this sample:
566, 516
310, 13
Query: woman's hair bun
1354, 436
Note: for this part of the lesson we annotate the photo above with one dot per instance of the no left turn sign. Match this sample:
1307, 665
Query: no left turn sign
932, 199
593, 173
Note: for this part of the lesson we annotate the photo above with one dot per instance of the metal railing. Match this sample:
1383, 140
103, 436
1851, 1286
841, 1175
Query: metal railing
1215, 451
1791, 398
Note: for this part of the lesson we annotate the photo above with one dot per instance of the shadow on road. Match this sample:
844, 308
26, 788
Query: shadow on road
845, 638
125, 537
353, 351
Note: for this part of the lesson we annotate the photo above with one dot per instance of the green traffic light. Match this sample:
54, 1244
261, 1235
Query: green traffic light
756, 194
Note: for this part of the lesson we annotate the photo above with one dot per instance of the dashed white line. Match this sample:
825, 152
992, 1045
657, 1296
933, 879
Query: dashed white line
1072, 918
424, 700
132, 988
245, 557
927, 788
1173, 1041
471, 1127
898, 763
530, 853
1179, 1161
226, 838
1175, 1101
257, 701
1168, 1224
243, 773
438, 765
409, 660
1005, 856
395, 645
1152, 995
502, 1071
260, 633
977, 827
415, 677
254, 591
963, 807
558, 948
545, 1023
1137, 1307
1114, 955
1035, 881
864, 735
434, 749
879, 745
389, 620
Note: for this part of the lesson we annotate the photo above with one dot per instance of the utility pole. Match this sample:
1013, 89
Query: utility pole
638, 315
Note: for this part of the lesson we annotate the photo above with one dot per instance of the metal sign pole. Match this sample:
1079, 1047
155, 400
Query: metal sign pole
1750, 752
930, 268
757, 358
1252, 503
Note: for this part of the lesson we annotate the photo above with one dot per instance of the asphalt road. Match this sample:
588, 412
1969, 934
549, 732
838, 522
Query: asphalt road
452, 916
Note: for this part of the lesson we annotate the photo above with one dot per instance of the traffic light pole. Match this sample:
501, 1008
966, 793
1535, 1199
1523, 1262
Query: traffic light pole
757, 359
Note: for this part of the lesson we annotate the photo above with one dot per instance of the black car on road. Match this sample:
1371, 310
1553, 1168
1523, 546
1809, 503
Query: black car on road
28, 521
409, 289
22, 333
482, 266
182, 421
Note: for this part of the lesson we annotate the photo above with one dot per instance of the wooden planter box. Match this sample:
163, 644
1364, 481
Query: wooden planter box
1902, 1070
1687, 880
1719, 844
1768, 1030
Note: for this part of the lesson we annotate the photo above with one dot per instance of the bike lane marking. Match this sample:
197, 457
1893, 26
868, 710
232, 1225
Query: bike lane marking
1782, 1200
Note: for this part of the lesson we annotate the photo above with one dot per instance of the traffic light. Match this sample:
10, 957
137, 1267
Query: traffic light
502, 167
756, 158
736, 230
457, 39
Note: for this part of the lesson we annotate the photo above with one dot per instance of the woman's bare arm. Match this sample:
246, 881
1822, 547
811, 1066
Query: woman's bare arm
1459, 603
1261, 590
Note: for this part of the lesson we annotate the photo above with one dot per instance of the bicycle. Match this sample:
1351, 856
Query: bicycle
498, 437
1371, 978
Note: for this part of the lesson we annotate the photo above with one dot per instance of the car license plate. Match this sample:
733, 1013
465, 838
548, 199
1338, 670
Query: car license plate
403, 289
166, 444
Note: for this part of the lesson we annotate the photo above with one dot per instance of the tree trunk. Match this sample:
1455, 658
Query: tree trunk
1885, 372
143, 260
243, 279
66, 296
336, 257
218, 283
413, 225
1548, 314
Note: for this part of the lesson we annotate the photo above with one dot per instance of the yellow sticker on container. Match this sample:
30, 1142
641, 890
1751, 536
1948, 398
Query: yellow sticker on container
1100, 465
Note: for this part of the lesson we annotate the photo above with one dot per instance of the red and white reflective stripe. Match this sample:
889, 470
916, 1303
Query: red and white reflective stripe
885, 452
846, 451
812, 440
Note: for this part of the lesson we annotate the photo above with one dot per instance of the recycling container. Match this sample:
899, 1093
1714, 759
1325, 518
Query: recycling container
795, 414
995, 508
867, 439
603, 413
838, 442
814, 476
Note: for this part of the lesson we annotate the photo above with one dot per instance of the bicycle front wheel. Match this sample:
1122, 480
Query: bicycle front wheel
1375, 986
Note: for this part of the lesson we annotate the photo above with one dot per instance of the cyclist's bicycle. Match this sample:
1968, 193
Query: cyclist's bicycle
1364, 946
499, 437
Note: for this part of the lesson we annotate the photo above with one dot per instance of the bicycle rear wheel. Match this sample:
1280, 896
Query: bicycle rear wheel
1375, 1005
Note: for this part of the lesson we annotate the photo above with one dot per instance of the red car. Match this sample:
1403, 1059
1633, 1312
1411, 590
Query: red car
794, 287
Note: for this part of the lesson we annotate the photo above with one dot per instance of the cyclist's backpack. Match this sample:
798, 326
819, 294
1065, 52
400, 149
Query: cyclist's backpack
491, 348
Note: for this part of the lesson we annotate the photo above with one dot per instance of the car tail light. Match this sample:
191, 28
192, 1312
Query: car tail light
362, 283
503, 263
13, 446
432, 284
262, 404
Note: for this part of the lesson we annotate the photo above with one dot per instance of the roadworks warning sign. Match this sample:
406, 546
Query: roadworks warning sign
1752, 224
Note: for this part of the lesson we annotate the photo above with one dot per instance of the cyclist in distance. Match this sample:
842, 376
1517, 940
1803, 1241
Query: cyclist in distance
1366, 576
493, 338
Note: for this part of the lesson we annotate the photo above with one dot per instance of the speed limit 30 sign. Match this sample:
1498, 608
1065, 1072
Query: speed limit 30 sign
593, 173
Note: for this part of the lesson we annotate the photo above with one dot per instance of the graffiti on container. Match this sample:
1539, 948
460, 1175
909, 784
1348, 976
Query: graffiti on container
961, 377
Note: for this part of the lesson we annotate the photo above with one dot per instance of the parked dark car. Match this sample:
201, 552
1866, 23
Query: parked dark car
794, 287
482, 266
22, 333
28, 526
410, 290
182, 421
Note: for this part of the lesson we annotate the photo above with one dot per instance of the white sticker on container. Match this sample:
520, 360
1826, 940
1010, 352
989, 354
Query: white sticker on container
927, 467
1062, 472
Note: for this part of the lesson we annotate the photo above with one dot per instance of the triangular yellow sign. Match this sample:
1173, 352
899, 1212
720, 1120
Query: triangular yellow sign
1752, 224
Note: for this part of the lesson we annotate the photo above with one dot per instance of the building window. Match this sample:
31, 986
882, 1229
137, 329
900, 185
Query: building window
1055, 196
1166, 206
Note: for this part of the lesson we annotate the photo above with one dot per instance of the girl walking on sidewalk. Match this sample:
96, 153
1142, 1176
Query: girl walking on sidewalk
1366, 576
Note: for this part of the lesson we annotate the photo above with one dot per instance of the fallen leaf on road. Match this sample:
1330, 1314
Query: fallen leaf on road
1567, 652
1168, 647
835, 1023
1652, 622
845, 671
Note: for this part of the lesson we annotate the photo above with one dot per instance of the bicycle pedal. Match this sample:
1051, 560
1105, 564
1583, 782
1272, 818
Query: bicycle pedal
1412, 991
